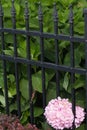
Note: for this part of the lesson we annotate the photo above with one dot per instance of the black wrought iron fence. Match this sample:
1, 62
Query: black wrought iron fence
42, 64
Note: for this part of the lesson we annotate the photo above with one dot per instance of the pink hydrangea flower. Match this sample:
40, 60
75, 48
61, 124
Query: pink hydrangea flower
80, 115
59, 114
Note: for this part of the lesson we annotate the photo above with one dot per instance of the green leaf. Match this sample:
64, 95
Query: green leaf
77, 57
24, 88
37, 81
8, 52
1, 81
50, 73
11, 77
7, 12
17, 7
8, 38
80, 99
35, 49
67, 59
7, 24
13, 106
79, 28
34, 24
25, 106
64, 44
49, 50
66, 81
45, 126
37, 111
79, 82
22, 49
82, 127
51, 91
24, 116
12, 90
2, 100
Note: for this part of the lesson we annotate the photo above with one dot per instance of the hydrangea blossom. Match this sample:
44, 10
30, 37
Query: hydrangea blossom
80, 115
59, 114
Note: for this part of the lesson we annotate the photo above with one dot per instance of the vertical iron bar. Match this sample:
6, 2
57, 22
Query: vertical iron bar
85, 20
4, 62
13, 12
29, 66
56, 49
72, 63
40, 17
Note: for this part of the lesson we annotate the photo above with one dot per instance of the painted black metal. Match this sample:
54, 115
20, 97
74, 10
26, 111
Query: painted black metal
72, 62
85, 19
29, 65
56, 49
4, 61
40, 18
13, 12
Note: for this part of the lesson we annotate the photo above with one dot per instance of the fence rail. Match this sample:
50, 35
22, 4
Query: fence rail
41, 63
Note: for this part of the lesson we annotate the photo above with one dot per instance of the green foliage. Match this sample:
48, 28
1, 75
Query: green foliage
49, 56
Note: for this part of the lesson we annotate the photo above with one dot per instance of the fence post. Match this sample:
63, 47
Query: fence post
13, 12
56, 50
85, 35
4, 62
1, 16
26, 14
72, 62
40, 18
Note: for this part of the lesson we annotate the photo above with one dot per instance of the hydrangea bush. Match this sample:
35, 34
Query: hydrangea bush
59, 114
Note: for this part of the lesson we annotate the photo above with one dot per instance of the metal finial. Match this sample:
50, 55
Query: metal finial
71, 14
70, 6
85, 11
13, 9
1, 10
12, 1
40, 8
40, 14
26, 9
26, 3
55, 13
39, 3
